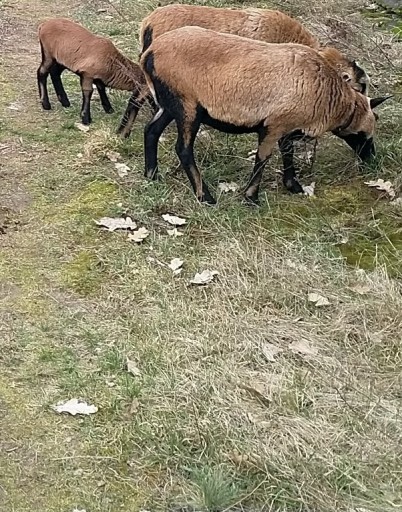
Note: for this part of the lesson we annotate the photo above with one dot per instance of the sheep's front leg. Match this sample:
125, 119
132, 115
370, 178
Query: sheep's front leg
187, 130
107, 107
152, 132
266, 144
87, 90
289, 171
130, 115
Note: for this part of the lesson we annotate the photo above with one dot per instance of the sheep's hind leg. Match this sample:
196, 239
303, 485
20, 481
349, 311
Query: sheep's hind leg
55, 74
289, 171
266, 143
87, 90
187, 132
42, 74
152, 132
107, 107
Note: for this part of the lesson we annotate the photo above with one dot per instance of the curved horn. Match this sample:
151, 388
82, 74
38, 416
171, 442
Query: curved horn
374, 102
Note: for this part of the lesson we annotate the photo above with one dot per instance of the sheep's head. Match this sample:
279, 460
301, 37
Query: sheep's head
350, 70
358, 132
355, 76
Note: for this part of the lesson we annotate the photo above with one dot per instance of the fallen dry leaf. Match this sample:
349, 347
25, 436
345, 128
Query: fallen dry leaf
14, 106
122, 169
75, 406
318, 299
270, 351
172, 219
309, 189
135, 404
139, 235
113, 156
256, 393
116, 223
205, 277
204, 134
303, 347
82, 127
361, 289
227, 187
243, 458
383, 186
132, 367
176, 265
174, 232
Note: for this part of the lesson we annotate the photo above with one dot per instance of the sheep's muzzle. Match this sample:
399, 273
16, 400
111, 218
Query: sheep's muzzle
363, 146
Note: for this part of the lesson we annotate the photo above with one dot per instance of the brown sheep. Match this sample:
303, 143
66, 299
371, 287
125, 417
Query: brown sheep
237, 85
67, 45
260, 24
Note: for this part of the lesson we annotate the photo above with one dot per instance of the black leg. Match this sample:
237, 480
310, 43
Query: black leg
107, 107
152, 132
42, 74
266, 144
87, 90
186, 133
135, 102
55, 74
289, 171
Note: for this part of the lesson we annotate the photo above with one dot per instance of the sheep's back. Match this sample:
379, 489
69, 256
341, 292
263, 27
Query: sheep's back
260, 24
238, 79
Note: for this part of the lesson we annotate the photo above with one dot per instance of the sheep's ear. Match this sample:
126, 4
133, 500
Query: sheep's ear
346, 77
374, 102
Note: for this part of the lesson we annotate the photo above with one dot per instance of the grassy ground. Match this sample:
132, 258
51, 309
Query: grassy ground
211, 421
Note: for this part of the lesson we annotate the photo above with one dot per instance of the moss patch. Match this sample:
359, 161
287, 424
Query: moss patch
83, 273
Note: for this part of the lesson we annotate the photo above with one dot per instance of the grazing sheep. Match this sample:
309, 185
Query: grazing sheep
237, 85
260, 24
67, 45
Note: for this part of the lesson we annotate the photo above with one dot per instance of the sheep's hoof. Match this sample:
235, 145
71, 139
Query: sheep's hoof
109, 110
206, 198
152, 174
294, 187
207, 201
65, 102
86, 121
123, 131
46, 105
252, 201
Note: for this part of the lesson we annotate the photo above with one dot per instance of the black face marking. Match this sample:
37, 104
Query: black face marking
361, 145
147, 40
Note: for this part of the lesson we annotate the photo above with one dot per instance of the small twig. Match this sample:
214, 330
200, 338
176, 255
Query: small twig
95, 457
119, 12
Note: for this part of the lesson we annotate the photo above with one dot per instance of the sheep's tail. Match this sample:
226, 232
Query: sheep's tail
125, 74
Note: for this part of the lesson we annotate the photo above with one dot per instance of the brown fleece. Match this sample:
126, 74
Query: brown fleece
82, 52
260, 24
244, 82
